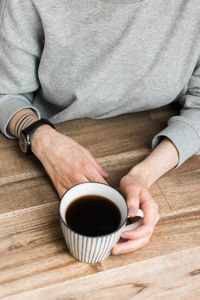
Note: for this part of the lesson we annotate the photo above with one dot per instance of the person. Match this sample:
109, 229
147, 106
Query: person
64, 60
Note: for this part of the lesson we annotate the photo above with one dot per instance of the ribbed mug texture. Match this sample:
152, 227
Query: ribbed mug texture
89, 249
86, 248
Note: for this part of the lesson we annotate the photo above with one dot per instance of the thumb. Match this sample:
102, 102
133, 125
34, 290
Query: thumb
131, 194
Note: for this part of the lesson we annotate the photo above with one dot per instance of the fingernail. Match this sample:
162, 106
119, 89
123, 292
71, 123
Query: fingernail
131, 210
124, 236
105, 173
117, 252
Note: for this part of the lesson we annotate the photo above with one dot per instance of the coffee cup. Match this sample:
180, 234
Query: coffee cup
93, 216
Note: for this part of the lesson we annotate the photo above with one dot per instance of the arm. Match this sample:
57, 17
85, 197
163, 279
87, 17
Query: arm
66, 162
134, 187
21, 120
184, 130
162, 159
21, 40
172, 146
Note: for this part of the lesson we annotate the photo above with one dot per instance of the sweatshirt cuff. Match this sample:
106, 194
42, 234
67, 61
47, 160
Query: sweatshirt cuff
183, 136
10, 106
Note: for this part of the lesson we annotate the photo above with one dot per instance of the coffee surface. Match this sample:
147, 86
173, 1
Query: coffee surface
93, 215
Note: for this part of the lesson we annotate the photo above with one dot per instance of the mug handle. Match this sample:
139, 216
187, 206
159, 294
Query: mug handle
136, 224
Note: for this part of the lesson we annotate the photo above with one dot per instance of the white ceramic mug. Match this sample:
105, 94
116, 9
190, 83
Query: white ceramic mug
94, 249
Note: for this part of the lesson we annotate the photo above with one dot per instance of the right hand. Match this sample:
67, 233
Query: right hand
66, 162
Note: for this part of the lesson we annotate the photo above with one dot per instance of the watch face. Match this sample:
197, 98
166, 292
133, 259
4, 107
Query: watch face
23, 143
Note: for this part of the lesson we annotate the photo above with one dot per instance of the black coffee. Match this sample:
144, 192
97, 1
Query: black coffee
93, 215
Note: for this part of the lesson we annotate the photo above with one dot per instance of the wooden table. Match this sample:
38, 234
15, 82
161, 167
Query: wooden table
34, 261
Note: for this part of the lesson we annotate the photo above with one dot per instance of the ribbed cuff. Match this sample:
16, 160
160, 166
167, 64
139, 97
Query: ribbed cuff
183, 136
9, 107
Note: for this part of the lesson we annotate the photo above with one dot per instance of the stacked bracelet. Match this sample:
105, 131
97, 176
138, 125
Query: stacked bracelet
23, 121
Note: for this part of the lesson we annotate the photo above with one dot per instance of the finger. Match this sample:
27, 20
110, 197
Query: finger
151, 217
141, 232
131, 194
150, 209
83, 179
68, 181
79, 178
95, 163
129, 246
92, 174
60, 190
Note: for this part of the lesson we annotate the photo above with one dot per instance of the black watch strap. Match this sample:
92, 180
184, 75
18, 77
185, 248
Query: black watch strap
30, 129
27, 132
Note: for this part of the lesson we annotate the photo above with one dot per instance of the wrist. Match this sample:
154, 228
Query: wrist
41, 138
21, 120
143, 173
162, 159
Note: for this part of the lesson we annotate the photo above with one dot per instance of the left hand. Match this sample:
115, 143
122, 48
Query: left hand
137, 195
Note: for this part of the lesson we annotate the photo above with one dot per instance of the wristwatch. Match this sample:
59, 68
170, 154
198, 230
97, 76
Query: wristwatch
25, 135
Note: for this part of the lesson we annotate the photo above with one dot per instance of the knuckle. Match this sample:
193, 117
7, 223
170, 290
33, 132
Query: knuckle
128, 249
122, 179
84, 166
146, 240
149, 231
155, 206
76, 178
74, 175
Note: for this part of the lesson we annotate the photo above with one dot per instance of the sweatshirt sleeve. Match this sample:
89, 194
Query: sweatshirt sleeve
21, 44
184, 130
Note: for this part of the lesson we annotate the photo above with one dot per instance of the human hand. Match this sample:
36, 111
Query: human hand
137, 195
66, 162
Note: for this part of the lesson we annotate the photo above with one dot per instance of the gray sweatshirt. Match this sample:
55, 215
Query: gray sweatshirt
70, 59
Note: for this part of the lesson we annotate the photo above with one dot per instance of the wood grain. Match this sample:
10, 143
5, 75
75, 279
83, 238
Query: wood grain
35, 263
152, 279
34, 254
181, 190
